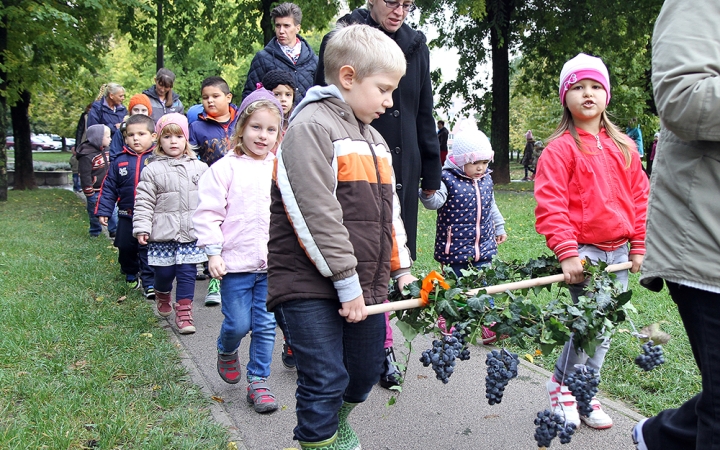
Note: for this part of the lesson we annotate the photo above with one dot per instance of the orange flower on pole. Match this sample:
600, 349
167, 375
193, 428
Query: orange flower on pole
428, 285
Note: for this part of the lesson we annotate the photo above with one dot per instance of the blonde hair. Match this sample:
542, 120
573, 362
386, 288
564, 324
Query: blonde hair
107, 89
368, 50
169, 129
617, 136
236, 139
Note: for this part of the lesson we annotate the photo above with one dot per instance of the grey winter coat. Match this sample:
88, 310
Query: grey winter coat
167, 197
683, 222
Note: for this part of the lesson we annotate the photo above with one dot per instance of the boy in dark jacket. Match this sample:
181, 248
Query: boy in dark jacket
92, 166
119, 186
210, 134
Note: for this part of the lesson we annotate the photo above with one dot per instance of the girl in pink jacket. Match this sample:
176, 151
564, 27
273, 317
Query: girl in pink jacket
232, 222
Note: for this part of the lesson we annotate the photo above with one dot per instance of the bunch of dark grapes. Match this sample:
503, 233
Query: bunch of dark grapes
651, 357
583, 384
549, 425
501, 368
443, 353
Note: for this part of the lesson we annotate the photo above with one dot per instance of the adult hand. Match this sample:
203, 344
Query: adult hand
216, 266
354, 310
103, 220
637, 261
573, 270
142, 239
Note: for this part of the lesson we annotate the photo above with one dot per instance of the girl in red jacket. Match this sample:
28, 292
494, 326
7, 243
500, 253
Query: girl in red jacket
591, 203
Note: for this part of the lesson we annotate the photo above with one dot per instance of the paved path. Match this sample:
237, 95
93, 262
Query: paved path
427, 415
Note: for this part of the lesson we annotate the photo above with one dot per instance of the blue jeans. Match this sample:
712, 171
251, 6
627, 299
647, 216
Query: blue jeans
243, 305
95, 227
76, 183
336, 361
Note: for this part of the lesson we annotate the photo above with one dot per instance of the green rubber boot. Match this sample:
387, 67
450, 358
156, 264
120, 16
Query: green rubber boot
327, 444
347, 439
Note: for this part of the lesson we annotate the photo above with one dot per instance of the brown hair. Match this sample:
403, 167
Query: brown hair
166, 78
617, 136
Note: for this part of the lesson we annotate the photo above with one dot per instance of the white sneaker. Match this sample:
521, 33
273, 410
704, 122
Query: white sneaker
598, 418
562, 401
637, 436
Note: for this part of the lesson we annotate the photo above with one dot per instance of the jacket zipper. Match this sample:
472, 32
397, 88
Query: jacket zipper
478, 220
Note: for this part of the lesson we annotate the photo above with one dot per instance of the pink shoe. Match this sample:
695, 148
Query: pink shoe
488, 337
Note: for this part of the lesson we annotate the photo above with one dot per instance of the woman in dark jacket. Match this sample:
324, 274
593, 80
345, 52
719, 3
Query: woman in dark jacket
162, 97
108, 109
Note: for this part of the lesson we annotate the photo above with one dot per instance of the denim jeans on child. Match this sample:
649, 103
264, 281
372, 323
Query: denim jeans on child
569, 356
185, 275
95, 227
336, 361
243, 305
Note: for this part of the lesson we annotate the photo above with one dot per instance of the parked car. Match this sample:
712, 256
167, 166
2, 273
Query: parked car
9, 142
41, 142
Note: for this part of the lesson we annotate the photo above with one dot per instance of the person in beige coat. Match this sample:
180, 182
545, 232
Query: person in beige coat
166, 199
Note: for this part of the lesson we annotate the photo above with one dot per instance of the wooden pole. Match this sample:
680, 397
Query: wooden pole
524, 284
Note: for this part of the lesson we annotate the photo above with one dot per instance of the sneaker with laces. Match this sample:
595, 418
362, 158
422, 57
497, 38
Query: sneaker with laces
260, 396
183, 316
637, 436
562, 401
598, 418
228, 367
288, 359
132, 283
149, 293
213, 293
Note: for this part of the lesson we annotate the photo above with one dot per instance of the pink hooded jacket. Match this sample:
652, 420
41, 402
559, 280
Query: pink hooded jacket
233, 214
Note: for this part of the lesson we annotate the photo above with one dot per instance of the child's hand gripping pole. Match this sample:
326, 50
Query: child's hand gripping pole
524, 284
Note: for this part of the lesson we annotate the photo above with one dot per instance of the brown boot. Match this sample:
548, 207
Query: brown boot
162, 300
183, 316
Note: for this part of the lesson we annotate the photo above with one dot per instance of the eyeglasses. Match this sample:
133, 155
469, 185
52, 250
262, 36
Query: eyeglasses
409, 7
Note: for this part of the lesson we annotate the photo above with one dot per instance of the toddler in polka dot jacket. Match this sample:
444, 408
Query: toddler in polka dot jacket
469, 224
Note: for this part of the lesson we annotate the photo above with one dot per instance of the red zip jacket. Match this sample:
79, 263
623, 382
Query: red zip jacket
590, 197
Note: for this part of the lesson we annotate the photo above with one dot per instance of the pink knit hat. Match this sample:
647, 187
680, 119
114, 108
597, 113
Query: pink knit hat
583, 67
173, 118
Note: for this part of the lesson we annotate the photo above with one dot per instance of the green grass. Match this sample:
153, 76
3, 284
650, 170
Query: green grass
51, 157
83, 362
650, 392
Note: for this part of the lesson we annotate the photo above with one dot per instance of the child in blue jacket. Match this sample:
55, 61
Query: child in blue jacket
469, 224
119, 186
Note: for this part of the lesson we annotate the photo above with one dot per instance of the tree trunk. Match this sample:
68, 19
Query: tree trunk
266, 24
500, 126
160, 38
3, 110
24, 175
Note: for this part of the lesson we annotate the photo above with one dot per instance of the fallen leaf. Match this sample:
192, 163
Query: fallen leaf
122, 299
529, 357
217, 399
146, 335
232, 445
156, 387
78, 364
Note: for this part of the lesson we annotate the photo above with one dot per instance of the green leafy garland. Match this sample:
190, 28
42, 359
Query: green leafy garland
588, 322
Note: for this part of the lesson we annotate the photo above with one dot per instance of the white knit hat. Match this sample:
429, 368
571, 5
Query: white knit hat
583, 67
471, 145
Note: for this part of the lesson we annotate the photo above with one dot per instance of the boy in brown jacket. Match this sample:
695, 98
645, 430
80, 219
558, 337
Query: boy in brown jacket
336, 236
